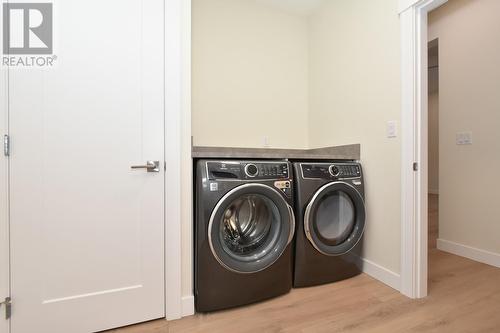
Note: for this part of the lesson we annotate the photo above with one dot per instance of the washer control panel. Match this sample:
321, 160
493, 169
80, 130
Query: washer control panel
331, 170
273, 170
248, 170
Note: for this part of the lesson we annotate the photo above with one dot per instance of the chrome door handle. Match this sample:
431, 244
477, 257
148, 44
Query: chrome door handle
151, 166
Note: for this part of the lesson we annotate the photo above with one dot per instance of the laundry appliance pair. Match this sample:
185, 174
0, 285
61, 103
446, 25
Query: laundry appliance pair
263, 226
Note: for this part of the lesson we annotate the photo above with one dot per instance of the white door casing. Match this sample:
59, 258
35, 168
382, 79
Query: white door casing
87, 232
179, 177
173, 105
413, 16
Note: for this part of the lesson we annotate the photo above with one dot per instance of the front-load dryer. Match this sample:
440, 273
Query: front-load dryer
330, 212
244, 226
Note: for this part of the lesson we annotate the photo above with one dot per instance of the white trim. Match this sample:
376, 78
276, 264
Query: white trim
405, 4
187, 306
178, 156
413, 15
469, 252
187, 163
407, 152
173, 157
382, 274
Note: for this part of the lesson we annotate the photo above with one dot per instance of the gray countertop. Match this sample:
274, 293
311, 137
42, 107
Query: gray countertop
346, 152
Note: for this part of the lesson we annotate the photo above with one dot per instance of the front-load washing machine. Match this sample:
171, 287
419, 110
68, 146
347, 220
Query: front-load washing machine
330, 212
244, 226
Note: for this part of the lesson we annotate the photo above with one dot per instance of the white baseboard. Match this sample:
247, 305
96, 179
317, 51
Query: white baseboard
469, 252
187, 305
382, 274
433, 191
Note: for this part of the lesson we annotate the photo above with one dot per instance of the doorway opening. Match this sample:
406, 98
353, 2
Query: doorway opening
433, 155
461, 134
468, 77
433, 145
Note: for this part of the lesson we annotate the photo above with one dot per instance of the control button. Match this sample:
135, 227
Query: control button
251, 170
334, 170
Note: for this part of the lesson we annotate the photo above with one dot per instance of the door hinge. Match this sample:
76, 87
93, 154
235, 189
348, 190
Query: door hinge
6, 145
8, 307
415, 166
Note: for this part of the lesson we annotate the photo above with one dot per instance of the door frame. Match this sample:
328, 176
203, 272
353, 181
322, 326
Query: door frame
414, 145
178, 163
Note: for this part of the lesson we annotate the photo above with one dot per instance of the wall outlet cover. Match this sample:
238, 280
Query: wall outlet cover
265, 142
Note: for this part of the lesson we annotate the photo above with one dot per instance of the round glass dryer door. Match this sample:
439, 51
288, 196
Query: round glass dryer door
250, 228
334, 220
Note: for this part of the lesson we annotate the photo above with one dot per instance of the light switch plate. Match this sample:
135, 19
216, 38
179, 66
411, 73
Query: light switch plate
392, 129
464, 138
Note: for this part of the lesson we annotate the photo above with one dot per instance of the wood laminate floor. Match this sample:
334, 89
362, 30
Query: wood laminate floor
464, 296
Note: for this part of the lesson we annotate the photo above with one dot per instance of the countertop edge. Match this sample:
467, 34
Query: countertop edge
344, 152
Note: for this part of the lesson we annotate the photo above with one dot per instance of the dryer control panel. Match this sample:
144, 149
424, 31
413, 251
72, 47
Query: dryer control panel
330, 170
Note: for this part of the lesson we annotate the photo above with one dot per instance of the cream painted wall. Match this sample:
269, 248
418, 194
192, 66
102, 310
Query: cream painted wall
249, 75
469, 52
354, 91
433, 118
433, 142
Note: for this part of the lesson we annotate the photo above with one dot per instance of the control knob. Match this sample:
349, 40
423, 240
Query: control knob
334, 170
251, 170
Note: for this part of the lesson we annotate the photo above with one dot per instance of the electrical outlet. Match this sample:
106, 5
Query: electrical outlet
464, 138
265, 142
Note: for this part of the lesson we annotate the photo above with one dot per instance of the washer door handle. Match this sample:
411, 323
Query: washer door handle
292, 224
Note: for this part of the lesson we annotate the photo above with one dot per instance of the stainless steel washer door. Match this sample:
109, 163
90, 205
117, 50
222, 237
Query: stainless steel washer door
250, 228
334, 219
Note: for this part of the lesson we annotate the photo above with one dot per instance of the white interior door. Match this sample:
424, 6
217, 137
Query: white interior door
4, 215
87, 231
